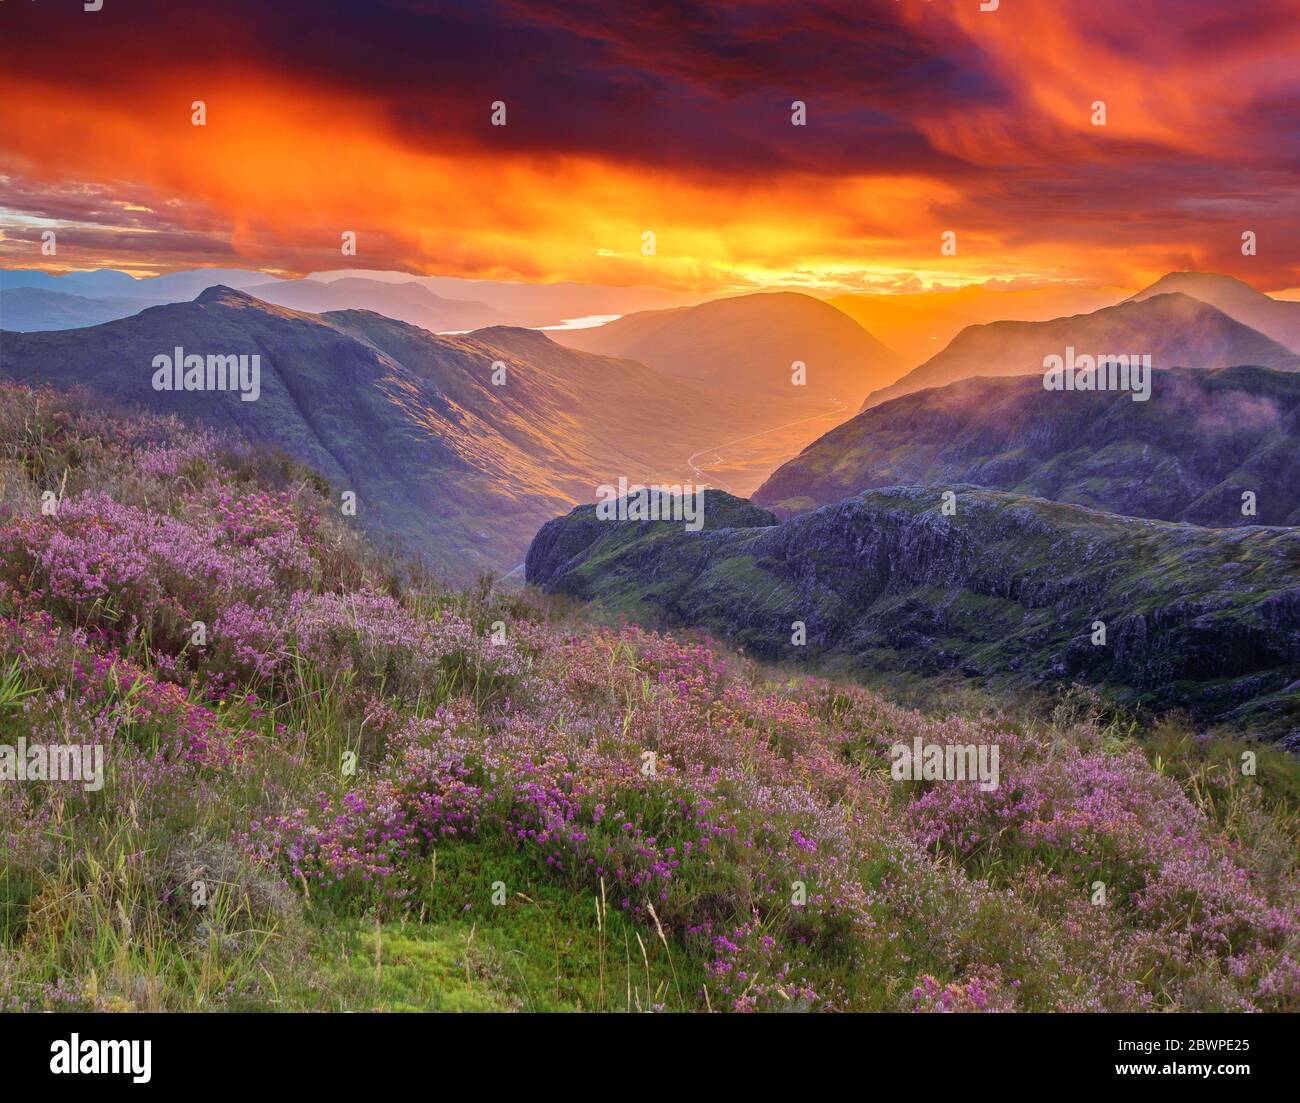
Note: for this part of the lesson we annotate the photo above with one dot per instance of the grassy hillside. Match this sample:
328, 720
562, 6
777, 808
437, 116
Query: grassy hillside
502, 842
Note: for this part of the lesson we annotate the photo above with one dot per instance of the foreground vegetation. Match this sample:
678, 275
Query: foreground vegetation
333, 784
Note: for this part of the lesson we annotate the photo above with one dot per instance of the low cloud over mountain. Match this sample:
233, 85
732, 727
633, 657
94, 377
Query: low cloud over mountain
1188, 454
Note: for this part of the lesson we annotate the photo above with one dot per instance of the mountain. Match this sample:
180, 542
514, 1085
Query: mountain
1187, 454
108, 282
749, 343
533, 304
28, 309
32, 300
1275, 318
479, 302
458, 469
407, 302
919, 323
1175, 329
97, 284
1005, 592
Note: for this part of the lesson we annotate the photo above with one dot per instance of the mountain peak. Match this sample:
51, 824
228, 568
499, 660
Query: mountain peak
220, 294
1190, 281
750, 342
515, 333
1277, 319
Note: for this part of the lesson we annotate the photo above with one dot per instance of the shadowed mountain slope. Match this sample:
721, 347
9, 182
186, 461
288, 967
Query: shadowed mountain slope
1186, 454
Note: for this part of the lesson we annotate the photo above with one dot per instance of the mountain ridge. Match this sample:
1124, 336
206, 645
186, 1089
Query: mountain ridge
751, 341
1277, 319
404, 302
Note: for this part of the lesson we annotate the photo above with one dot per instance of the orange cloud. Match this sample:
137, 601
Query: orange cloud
923, 118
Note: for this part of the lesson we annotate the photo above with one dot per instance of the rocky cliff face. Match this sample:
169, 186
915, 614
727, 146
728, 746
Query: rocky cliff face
1009, 590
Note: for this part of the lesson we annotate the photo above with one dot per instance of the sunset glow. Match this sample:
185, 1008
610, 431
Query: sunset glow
921, 118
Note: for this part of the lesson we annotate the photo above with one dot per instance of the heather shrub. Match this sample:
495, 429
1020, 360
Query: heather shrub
346, 727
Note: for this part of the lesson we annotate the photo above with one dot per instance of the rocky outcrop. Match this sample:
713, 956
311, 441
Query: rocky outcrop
1008, 590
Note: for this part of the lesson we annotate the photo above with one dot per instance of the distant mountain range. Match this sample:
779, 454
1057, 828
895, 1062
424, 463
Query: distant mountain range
86, 299
1007, 591
406, 302
439, 303
460, 470
34, 301
1175, 329
535, 304
1187, 454
173, 287
32, 309
751, 342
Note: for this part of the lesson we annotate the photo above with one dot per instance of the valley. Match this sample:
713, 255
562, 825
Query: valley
444, 462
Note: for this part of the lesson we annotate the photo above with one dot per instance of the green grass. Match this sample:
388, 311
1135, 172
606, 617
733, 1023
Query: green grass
545, 949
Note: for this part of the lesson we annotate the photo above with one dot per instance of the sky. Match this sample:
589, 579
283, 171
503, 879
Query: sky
922, 118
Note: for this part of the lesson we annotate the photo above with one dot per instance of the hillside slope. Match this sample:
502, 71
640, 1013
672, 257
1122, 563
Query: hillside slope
356, 793
1187, 454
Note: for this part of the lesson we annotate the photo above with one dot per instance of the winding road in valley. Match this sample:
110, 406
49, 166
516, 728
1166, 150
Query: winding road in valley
716, 449
699, 466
